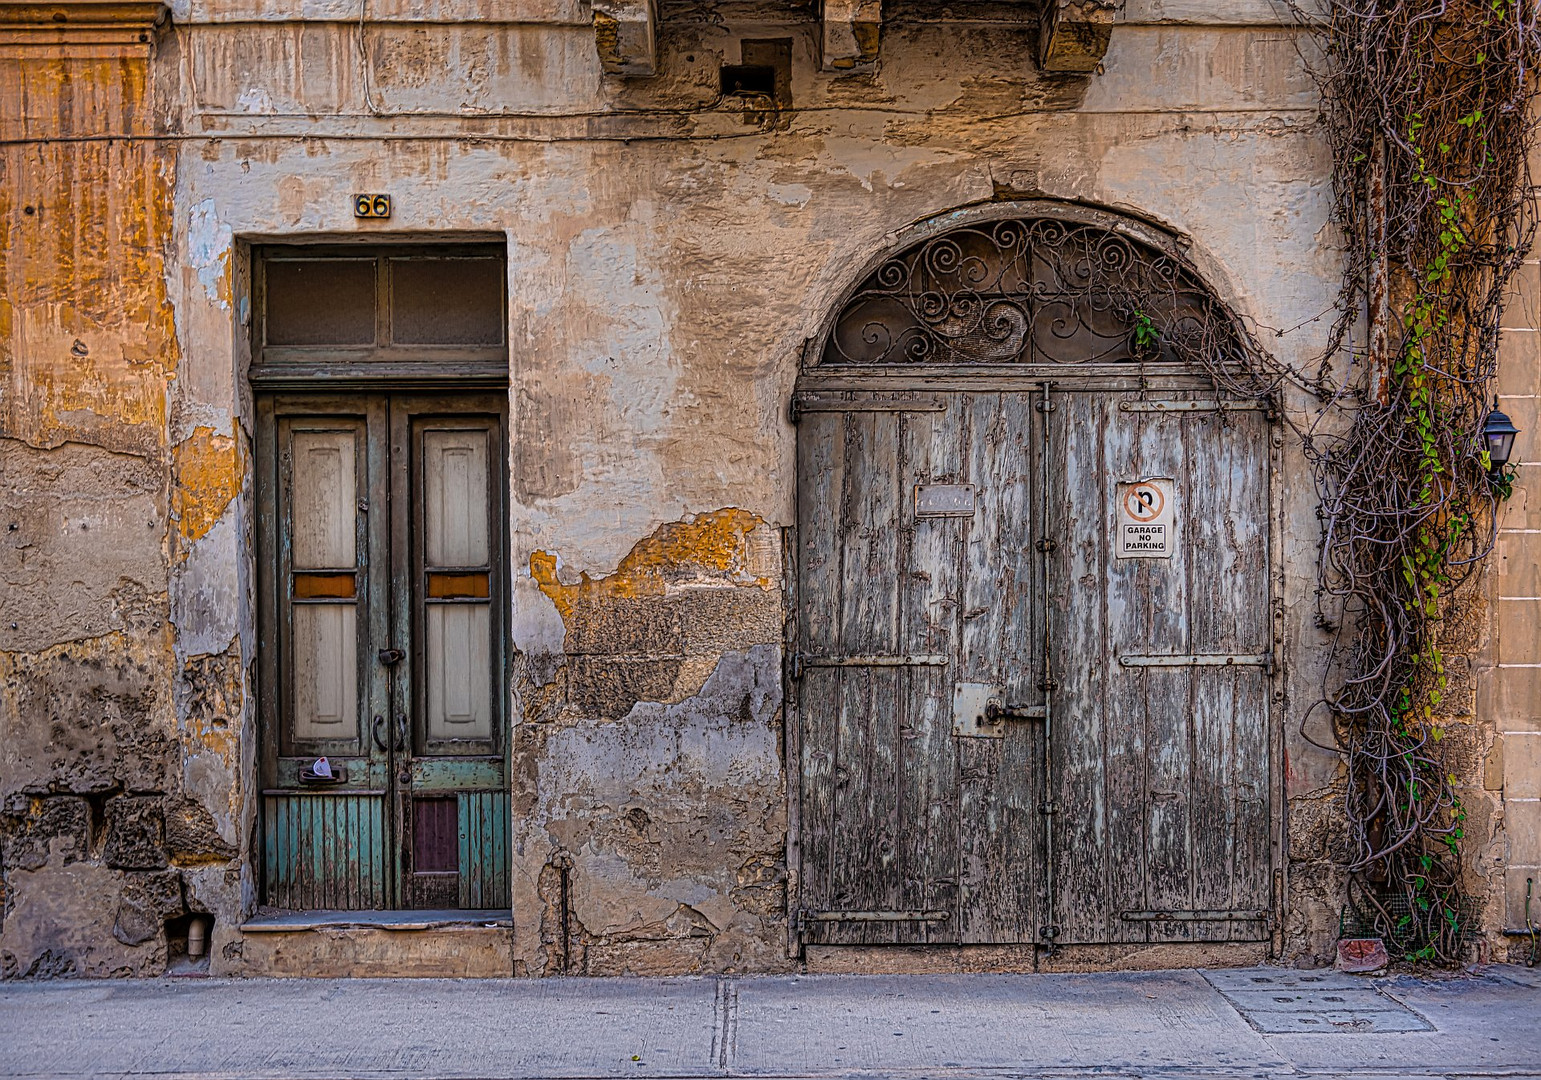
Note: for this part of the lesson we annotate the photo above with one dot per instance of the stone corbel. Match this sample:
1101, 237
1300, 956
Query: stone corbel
626, 35
75, 27
848, 36
1074, 34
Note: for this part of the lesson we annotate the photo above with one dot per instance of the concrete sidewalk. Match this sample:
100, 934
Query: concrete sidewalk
1255, 1023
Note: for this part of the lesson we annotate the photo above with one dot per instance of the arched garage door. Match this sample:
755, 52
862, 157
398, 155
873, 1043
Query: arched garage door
1033, 657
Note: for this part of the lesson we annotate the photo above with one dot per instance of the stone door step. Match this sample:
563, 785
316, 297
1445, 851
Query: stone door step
375, 944
378, 920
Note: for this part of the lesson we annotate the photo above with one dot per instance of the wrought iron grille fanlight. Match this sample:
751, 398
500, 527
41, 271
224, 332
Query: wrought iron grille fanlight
1033, 290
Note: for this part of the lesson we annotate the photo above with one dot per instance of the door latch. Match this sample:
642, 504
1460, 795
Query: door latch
995, 712
392, 657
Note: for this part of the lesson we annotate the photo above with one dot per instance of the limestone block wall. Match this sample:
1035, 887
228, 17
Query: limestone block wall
1512, 689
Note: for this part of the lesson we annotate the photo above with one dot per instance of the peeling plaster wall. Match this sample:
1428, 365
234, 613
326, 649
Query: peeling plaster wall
664, 271
118, 722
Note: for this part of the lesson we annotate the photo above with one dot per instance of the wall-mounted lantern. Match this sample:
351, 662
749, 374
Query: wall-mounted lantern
1498, 439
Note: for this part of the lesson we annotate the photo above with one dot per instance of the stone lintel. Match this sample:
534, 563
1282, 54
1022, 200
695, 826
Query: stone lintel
626, 35
1074, 34
848, 36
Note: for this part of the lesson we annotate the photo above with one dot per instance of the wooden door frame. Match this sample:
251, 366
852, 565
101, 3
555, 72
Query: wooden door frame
921, 380
340, 374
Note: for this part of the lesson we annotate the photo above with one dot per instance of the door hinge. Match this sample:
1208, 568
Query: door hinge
1048, 546
1197, 915
805, 916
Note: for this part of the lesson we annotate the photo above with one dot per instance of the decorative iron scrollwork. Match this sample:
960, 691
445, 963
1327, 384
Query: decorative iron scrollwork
1033, 291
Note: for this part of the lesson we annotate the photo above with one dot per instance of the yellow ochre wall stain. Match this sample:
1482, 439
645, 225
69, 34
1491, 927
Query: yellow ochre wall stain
712, 548
87, 342
208, 476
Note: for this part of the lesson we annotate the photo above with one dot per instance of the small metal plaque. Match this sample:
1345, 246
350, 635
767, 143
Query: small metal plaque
372, 206
944, 500
1147, 521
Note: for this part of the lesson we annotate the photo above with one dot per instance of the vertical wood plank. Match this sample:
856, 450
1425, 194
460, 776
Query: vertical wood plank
820, 481
929, 598
999, 647
1163, 628
1229, 541
1086, 591
866, 871
979, 827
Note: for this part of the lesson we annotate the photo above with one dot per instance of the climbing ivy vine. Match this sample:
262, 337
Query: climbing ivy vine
1427, 105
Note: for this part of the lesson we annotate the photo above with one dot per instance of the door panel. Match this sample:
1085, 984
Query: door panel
1162, 765
911, 832
458, 666
325, 672
381, 580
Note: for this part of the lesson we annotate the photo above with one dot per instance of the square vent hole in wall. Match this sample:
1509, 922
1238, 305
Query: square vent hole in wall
763, 77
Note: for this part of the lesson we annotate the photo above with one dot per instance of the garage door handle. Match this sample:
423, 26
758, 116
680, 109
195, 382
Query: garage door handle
996, 712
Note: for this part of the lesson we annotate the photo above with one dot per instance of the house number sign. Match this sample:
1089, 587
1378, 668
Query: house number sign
372, 206
1147, 519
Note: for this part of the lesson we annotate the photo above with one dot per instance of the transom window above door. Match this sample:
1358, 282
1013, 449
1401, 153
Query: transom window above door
349, 313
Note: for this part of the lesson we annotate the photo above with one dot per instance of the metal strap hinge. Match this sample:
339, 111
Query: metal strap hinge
1262, 660
1210, 405
872, 916
1197, 915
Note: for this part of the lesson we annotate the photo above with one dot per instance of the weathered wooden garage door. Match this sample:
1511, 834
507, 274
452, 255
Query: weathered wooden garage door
927, 810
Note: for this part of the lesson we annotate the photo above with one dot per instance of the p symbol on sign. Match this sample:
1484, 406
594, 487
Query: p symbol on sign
1144, 502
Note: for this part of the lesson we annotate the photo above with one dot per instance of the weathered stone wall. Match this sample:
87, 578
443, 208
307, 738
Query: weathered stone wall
118, 723
668, 254
1508, 845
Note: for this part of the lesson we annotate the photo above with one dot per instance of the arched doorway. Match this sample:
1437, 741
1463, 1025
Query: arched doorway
1033, 656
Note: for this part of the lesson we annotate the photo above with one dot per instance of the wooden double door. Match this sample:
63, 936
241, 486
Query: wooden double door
1009, 729
383, 593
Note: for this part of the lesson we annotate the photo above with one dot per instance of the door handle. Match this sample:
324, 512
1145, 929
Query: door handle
375, 731
401, 733
996, 712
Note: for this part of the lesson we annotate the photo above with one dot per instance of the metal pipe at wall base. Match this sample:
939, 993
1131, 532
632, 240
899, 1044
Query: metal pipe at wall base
197, 936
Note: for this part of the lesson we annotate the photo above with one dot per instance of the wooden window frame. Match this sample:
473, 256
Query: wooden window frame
383, 362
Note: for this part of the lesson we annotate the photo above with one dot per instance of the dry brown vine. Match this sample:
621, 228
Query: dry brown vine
1427, 105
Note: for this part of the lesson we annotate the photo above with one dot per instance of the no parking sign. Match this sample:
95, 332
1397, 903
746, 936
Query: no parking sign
1147, 519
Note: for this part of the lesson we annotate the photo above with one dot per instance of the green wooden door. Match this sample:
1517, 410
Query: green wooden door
382, 649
